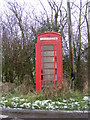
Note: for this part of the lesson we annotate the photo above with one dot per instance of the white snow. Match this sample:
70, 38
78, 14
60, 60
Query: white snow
3, 116
22, 100
64, 100
65, 106
85, 98
76, 103
45, 104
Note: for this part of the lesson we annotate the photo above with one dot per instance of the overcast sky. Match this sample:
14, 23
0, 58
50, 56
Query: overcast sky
31, 4
34, 4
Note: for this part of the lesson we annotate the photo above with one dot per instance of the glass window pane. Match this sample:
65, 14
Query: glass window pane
55, 77
49, 56
55, 65
49, 71
49, 53
41, 60
41, 71
49, 77
55, 70
49, 47
41, 66
41, 48
55, 53
51, 65
48, 59
41, 54
55, 47
42, 84
49, 83
55, 58
45, 84
41, 77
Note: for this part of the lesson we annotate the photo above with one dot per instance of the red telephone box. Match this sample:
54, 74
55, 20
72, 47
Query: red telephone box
48, 60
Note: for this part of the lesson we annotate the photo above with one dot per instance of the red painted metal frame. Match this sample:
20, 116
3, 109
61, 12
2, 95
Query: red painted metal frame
43, 65
38, 58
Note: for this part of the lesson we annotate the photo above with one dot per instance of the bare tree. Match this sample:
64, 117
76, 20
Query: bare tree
70, 43
88, 30
79, 48
18, 12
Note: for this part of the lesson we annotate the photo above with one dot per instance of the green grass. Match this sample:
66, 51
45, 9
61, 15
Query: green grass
71, 100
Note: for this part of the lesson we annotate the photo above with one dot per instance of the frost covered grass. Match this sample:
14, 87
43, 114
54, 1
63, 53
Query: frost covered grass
23, 102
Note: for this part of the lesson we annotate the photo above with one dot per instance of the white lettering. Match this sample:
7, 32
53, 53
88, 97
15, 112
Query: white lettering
48, 38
